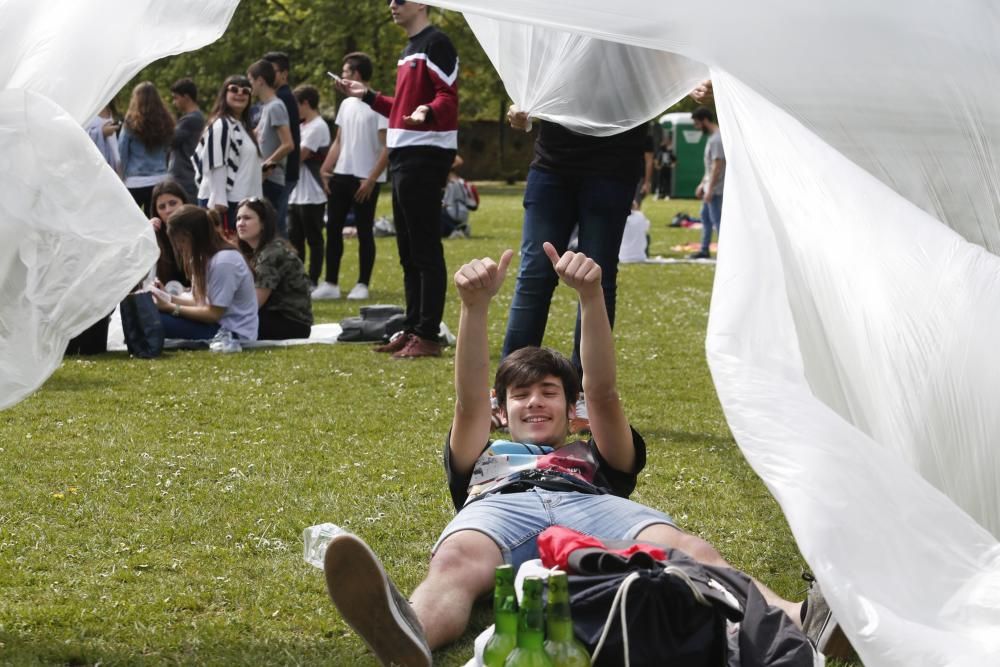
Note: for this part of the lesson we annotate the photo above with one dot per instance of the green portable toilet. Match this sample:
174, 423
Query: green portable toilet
689, 147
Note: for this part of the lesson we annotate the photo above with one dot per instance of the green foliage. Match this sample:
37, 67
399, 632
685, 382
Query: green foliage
316, 34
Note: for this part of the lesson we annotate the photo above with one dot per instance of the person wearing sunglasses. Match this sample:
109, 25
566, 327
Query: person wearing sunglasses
227, 161
422, 139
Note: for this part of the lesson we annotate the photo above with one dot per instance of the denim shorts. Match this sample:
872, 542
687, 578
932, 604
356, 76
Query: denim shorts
514, 520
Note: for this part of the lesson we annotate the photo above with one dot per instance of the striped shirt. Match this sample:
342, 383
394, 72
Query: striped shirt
226, 148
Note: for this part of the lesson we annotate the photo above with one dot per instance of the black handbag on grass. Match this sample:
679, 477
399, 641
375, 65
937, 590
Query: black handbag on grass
142, 326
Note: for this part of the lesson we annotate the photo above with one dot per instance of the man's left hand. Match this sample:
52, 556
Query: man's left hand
418, 116
576, 270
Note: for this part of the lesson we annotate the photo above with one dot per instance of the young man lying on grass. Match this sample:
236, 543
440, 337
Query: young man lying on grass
507, 492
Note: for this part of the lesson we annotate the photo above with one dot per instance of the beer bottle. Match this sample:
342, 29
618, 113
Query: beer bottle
504, 638
504, 586
530, 651
564, 649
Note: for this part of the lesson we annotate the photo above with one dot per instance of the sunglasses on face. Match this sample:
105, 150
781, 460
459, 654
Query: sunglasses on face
238, 90
399, 3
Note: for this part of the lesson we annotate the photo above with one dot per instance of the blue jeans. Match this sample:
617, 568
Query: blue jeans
711, 216
553, 205
185, 329
514, 520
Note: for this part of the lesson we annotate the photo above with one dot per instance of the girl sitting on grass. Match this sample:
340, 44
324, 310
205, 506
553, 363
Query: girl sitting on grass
280, 278
222, 294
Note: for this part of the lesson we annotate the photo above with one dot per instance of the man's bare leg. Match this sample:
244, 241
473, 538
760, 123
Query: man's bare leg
703, 552
461, 570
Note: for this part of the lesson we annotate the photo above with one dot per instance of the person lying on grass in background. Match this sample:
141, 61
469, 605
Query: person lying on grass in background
507, 492
279, 277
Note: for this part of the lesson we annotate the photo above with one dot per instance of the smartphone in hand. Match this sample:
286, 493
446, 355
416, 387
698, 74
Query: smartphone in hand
334, 76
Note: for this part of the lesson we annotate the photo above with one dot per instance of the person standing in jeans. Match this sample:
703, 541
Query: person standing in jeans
710, 188
274, 136
282, 66
422, 140
574, 180
354, 171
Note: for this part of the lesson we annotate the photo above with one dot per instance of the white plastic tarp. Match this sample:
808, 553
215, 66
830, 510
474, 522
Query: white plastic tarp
856, 308
72, 241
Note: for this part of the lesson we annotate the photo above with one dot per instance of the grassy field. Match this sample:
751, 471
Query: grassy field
151, 511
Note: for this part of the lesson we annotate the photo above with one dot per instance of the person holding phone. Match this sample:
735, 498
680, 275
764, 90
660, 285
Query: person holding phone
227, 161
222, 291
422, 138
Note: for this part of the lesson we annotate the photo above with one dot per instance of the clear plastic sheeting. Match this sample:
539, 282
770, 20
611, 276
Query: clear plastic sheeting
856, 308
577, 69
72, 241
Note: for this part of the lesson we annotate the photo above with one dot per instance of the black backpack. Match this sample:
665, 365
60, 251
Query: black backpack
142, 326
677, 612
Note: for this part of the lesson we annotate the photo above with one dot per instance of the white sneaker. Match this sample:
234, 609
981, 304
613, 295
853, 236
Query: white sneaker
358, 293
326, 291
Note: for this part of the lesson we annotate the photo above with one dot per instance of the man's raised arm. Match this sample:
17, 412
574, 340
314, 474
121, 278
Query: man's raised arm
477, 283
608, 424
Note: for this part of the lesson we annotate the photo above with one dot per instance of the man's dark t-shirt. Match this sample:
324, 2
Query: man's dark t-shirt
564, 151
509, 467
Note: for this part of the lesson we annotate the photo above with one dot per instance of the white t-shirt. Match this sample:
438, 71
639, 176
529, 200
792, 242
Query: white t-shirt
360, 145
633, 247
315, 135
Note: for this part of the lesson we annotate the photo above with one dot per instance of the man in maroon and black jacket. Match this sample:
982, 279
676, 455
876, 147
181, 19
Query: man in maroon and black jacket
422, 139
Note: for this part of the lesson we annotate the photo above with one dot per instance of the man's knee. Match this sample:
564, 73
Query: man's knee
692, 545
467, 558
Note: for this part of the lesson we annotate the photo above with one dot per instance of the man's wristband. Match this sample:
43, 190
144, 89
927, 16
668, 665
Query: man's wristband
369, 97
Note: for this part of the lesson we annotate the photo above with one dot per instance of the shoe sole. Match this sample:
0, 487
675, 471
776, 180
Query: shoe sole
359, 588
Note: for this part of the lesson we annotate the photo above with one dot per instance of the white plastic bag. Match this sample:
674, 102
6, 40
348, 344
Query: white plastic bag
72, 241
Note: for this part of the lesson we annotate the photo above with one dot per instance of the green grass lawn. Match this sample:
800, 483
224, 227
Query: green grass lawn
151, 511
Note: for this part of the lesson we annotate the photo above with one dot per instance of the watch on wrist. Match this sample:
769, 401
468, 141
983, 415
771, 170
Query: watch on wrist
177, 310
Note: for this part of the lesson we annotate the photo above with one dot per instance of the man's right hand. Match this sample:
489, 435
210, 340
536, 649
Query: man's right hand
480, 280
350, 87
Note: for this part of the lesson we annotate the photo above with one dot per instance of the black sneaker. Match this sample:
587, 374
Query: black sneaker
371, 605
821, 627
701, 254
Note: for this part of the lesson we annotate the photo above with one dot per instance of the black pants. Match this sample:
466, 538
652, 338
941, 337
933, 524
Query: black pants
342, 190
144, 198
305, 225
417, 189
275, 326
663, 182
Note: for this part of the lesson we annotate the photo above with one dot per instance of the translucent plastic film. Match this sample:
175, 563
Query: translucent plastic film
856, 308
72, 241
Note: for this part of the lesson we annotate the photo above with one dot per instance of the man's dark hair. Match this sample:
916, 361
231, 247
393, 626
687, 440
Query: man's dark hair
262, 69
360, 63
279, 59
185, 86
307, 94
703, 113
529, 365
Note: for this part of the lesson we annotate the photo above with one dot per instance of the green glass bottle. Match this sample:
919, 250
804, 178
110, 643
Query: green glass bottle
504, 639
530, 651
503, 586
564, 648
